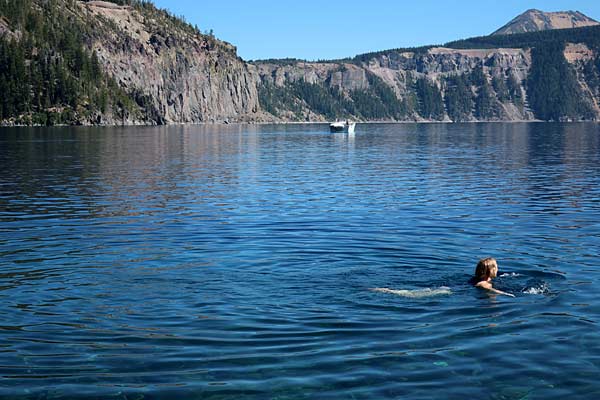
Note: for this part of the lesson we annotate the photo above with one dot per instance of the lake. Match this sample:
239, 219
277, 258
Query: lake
237, 262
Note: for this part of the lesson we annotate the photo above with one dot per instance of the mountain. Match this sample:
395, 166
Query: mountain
536, 20
127, 62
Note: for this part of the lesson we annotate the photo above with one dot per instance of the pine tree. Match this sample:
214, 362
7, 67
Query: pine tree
500, 87
431, 105
485, 102
459, 99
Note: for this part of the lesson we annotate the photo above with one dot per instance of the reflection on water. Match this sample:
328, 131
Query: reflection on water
237, 261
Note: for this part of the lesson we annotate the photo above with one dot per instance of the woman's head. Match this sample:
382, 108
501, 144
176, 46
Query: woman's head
486, 268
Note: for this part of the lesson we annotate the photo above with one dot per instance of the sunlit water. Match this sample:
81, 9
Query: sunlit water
236, 262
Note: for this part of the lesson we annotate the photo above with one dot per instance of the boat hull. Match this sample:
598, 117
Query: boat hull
342, 127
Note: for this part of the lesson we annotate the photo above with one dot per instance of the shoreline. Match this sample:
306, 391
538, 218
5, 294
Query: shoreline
302, 123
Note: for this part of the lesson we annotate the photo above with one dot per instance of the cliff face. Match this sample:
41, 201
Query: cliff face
186, 77
340, 75
97, 62
440, 65
435, 84
586, 65
400, 71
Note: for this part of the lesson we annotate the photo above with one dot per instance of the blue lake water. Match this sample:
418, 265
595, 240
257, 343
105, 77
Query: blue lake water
236, 262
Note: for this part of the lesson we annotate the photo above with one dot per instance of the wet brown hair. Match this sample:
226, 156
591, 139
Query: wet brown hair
486, 268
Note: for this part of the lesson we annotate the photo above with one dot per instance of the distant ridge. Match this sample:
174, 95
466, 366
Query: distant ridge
535, 20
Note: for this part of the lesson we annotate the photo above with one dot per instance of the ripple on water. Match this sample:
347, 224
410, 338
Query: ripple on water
237, 262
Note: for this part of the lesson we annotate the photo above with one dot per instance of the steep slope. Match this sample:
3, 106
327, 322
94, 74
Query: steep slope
97, 62
187, 77
47, 76
536, 20
432, 84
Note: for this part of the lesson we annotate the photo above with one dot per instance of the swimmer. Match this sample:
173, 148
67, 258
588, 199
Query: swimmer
486, 270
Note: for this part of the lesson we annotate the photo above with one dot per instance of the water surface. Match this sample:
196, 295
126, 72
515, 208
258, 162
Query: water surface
235, 262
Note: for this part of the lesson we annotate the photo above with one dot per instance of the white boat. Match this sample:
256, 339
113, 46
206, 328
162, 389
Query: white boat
343, 126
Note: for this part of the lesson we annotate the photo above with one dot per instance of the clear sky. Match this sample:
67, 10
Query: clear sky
329, 29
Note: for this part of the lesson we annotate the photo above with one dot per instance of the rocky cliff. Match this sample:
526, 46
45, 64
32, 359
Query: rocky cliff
98, 62
186, 76
439, 67
499, 68
543, 77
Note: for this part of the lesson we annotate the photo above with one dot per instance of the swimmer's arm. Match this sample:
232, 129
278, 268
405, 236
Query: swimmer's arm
501, 292
488, 286
384, 290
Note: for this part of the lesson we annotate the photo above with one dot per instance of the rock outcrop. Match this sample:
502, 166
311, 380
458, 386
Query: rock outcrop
400, 70
185, 76
586, 64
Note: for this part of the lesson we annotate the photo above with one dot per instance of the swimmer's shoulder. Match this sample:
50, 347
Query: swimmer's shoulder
483, 284
477, 283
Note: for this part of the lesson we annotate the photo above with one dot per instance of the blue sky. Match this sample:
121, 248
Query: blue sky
328, 29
